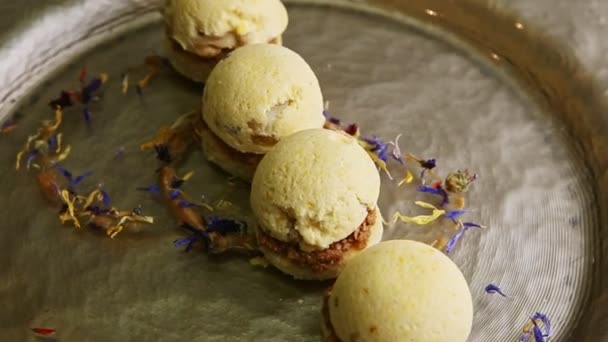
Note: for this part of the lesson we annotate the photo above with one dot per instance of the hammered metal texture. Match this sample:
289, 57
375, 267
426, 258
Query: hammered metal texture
474, 86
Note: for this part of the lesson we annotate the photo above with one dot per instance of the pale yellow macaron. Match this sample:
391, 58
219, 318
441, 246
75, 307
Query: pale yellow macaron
201, 32
402, 291
260, 94
314, 196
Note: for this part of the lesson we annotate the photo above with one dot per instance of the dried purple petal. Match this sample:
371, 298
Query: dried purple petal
435, 191
64, 100
155, 189
331, 119
86, 114
105, 198
89, 89
52, 142
454, 240
493, 288
533, 328
9, 124
454, 215
197, 235
174, 194
546, 322
30, 158
81, 177
187, 204
538, 333
428, 164
379, 147
224, 226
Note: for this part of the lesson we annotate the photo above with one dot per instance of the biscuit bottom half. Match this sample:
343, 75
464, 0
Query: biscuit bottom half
193, 66
322, 264
237, 163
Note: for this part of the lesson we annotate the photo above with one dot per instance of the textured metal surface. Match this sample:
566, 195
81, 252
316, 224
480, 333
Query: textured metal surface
520, 112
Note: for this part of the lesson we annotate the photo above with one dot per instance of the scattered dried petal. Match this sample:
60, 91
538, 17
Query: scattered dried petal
155, 189
105, 198
379, 147
396, 153
44, 331
125, 82
86, 114
435, 191
407, 179
74, 181
533, 328
69, 212
454, 215
420, 219
454, 240
380, 164
493, 288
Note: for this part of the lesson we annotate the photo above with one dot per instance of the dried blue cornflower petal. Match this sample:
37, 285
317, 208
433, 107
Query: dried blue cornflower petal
331, 119
30, 158
435, 191
493, 288
538, 333
64, 100
105, 198
454, 240
379, 147
86, 114
197, 235
74, 181
162, 153
224, 226
188, 204
174, 194
52, 142
89, 89
429, 164
454, 215
155, 189
96, 210
546, 322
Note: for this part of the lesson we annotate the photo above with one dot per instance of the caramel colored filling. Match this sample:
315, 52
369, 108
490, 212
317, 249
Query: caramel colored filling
325, 259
